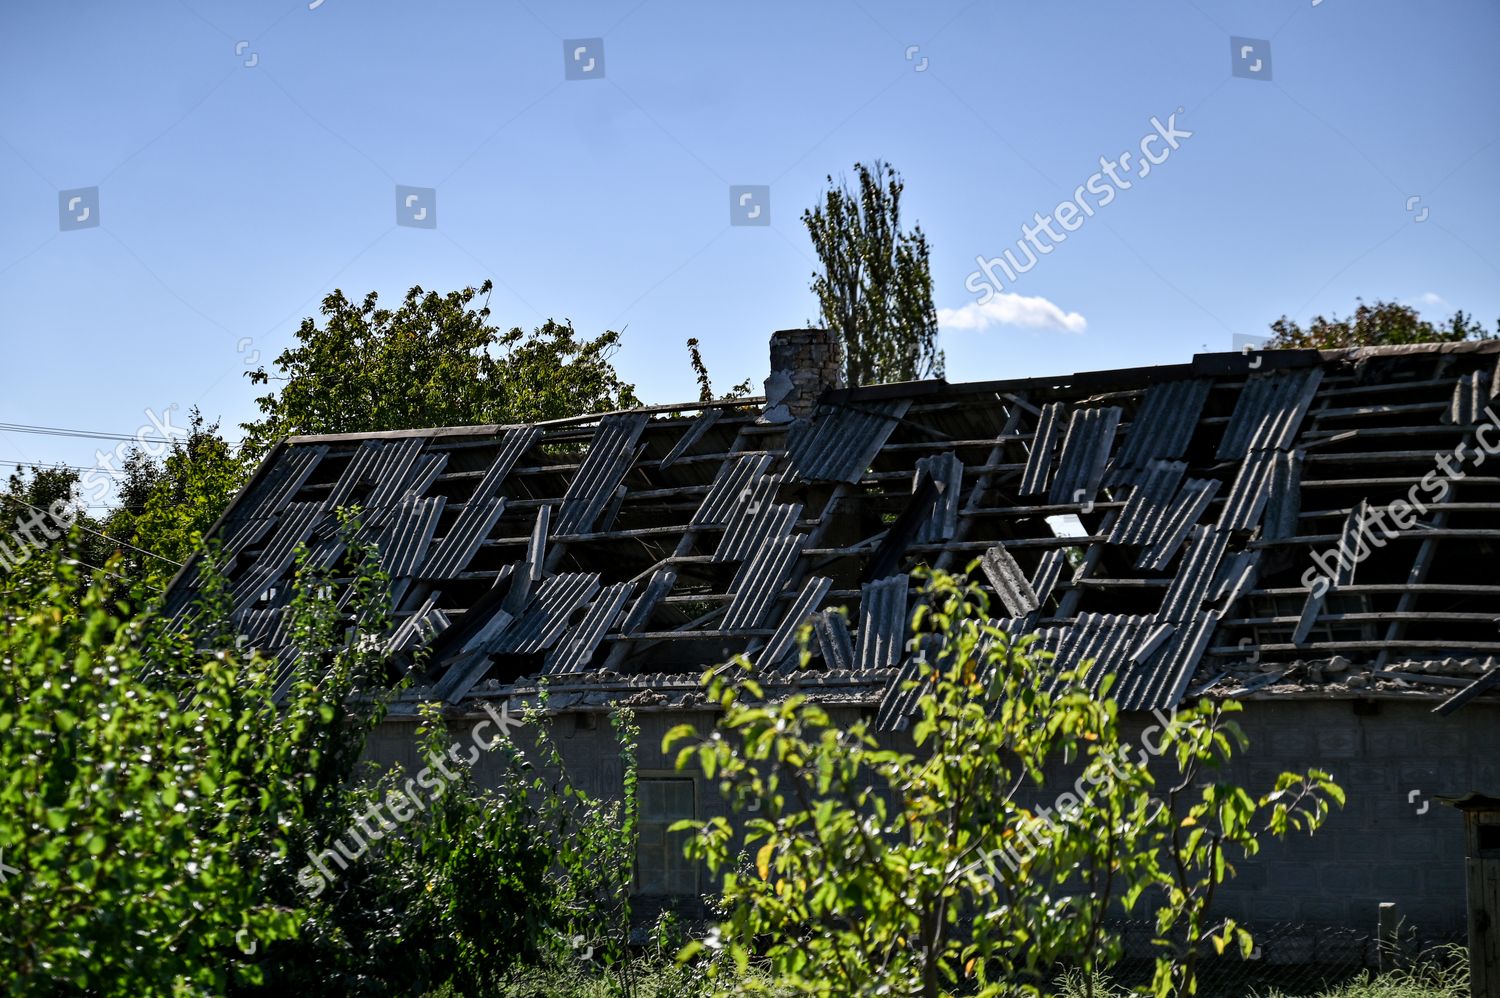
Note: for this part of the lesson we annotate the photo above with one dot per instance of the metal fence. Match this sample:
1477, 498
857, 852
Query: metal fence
1299, 961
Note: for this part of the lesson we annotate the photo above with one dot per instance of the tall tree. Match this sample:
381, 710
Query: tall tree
166, 505
1385, 323
435, 360
875, 287
37, 506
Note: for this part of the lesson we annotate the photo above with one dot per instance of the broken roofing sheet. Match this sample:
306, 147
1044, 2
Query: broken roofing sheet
627, 552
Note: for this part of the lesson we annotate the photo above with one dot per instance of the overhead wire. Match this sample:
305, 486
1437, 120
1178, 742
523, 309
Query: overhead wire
112, 540
58, 431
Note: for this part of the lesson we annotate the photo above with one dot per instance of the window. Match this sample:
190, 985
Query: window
660, 867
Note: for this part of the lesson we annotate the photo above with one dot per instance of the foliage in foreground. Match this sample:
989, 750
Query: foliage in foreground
877, 871
146, 779
157, 806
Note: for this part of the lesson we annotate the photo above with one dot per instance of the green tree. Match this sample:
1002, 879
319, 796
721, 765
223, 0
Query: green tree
875, 286
37, 507
147, 783
167, 506
434, 360
1385, 323
881, 872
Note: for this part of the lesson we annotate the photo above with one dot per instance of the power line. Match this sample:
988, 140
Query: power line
112, 540
40, 466
58, 431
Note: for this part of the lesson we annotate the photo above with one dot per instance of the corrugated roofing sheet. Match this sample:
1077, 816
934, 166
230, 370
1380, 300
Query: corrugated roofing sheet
1161, 682
754, 518
947, 472
1471, 394
1105, 640
1085, 450
295, 526
842, 440
883, 620
694, 432
1048, 571
661, 582
610, 456
545, 620
777, 655
1196, 577
257, 511
577, 649
732, 487
1009, 582
1038, 469
357, 472
1162, 427
1189, 505
761, 579
418, 628
903, 693
1141, 520
463, 540
833, 640
512, 445
1284, 497
1271, 408
1345, 559
408, 535
394, 468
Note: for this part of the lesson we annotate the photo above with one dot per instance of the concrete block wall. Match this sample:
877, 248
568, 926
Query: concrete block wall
1382, 846
1393, 841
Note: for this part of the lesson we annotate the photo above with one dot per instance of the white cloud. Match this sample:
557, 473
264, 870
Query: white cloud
1008, 309
1433, 298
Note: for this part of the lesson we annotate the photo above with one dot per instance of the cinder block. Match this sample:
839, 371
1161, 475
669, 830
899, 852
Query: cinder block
1248, 876
1425, 776
1295, 879
1269, 906
1361, 775
1324, 911
1344, 878
1335, 743
1397, 881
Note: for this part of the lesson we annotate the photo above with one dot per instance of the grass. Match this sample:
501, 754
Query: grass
658, 977
1444, 973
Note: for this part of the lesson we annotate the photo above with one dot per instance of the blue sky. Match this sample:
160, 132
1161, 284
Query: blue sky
233, 197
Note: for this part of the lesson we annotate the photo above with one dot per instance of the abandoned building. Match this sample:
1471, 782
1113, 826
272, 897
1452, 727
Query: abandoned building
1181, 525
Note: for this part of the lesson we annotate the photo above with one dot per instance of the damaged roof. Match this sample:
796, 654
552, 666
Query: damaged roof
1162, 521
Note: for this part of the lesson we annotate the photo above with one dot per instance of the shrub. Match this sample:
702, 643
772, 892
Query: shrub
881, 872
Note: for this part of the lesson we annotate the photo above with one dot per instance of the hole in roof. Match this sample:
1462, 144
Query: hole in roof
1067, 525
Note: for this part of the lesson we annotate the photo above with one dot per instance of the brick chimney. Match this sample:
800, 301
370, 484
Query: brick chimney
804, 363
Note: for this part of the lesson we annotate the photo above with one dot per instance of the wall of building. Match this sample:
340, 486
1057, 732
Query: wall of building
1392, 842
